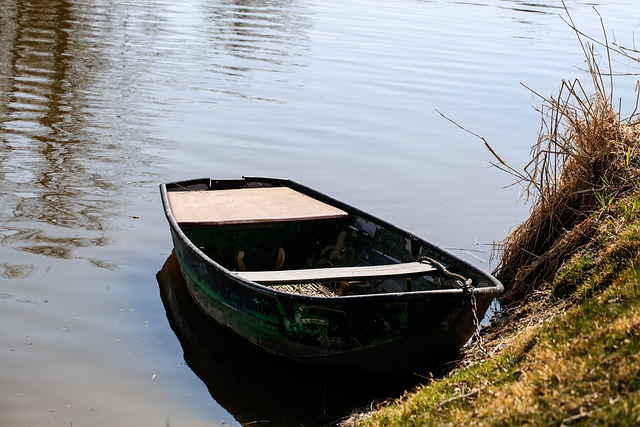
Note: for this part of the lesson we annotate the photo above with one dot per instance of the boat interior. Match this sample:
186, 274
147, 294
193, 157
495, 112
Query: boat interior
295, 243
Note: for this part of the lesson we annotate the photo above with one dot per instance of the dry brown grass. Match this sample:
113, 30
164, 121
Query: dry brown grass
586, 156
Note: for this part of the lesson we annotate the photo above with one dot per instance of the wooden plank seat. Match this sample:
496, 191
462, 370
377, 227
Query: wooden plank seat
247, 206
338, 274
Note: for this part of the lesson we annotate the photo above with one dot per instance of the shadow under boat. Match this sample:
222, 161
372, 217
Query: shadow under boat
256, 387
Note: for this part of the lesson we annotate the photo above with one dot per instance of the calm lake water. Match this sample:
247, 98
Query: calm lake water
101, 101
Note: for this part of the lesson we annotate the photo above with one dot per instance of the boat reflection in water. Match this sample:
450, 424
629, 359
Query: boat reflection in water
256, 387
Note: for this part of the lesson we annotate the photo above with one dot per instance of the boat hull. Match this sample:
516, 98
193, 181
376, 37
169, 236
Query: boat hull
388, 333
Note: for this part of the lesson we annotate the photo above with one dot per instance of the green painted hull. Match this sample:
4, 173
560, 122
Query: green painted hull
393, 333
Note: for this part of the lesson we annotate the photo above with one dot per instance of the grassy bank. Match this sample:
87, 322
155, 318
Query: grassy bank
566, 347
569, 361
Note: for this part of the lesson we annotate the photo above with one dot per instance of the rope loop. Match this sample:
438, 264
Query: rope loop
466, 284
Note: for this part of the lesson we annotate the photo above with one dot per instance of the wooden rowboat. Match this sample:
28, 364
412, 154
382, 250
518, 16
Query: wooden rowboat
317, 281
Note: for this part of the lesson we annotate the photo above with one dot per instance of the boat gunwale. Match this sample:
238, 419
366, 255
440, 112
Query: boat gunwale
495, 288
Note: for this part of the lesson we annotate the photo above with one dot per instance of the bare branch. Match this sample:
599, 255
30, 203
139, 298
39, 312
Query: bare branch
502, 164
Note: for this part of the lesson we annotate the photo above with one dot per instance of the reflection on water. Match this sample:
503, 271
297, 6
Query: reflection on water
249, 38
528, 6
16, 271
254, 33
51, 169
255, 387
73, 106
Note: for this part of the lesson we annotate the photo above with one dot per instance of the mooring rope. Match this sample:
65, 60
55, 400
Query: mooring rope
466, 284
464, 281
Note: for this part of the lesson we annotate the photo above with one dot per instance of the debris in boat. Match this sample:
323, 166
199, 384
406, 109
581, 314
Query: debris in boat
310, 289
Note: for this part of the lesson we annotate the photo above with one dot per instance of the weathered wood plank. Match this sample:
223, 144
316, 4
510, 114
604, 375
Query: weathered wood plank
369, 272
247, 205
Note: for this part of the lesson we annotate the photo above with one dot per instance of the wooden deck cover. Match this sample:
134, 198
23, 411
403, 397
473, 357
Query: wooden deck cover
247, 205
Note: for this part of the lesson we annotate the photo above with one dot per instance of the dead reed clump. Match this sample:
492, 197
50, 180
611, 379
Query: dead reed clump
585, 158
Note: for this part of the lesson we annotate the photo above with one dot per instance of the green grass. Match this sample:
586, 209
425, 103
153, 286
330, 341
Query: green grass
574, 360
